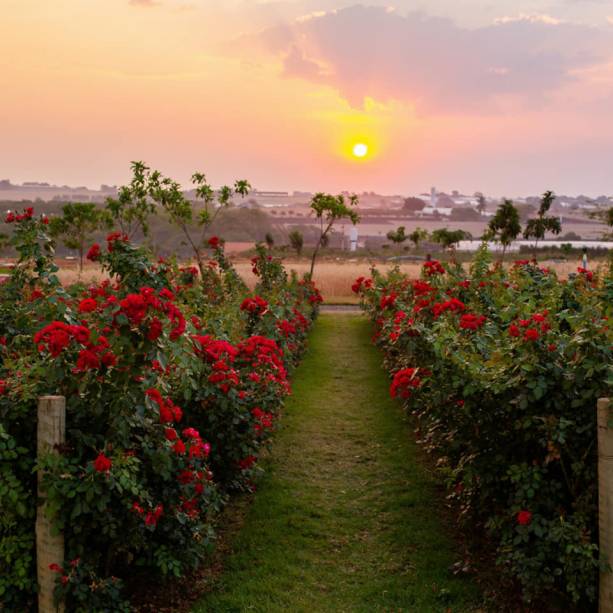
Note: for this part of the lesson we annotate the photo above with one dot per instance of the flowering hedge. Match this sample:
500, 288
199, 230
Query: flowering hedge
173, 384
502, 371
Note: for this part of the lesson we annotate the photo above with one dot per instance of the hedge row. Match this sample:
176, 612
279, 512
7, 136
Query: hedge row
173, 383
502, 371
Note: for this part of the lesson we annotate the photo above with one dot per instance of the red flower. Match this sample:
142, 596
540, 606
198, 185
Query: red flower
109, 359
388, 301
514, 330
170, 434
56, 568
102, 464
155, 329
179, 447
94, 253
247, 462
87, 360
531, 334
113, 238
214, 242
433, 268
87, 305
470, 321
404, 381
255, 305
524, 518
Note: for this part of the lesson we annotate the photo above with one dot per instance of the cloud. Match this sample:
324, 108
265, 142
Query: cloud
432, 62
144, 3
530, 18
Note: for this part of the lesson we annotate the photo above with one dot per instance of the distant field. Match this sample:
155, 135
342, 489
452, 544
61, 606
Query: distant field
334, 278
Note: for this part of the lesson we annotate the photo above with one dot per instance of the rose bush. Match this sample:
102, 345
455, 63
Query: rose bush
172, 391
502, 371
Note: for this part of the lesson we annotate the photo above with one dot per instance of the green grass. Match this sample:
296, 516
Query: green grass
346, 518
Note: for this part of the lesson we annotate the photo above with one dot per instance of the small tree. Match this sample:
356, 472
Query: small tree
606, 217
296, 240
504, 227
269, 240
449, 239
481, 202
417, 236
412, 205
329, 209
132, 207
397, 236
76, 226
183, 213
536, 227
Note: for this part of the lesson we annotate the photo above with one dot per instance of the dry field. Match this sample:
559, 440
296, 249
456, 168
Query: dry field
333, 277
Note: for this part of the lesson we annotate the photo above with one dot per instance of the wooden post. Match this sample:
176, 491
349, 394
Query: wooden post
605, 502
49, 547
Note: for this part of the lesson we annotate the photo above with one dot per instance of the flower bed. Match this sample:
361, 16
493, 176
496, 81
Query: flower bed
173, 388
502, 371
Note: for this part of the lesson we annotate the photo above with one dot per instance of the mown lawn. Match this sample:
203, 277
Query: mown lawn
346, 518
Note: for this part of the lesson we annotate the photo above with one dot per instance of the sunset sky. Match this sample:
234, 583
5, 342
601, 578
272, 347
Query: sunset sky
509, 97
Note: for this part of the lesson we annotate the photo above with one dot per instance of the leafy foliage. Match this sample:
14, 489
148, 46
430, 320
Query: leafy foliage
538, 226
174, 384
505, 226
329, 209
502, 371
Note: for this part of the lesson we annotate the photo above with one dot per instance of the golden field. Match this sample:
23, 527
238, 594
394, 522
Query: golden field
333, 277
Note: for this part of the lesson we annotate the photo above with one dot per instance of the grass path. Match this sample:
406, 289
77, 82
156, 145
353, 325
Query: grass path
345, 518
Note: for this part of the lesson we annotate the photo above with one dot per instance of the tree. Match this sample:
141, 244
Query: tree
328, 209
296, 240
481, 203
269, 240
606, 217
132, 207
449, 239
536, 227
418, 235
504, 227
412, 205
397, 236
194, 223
77, 225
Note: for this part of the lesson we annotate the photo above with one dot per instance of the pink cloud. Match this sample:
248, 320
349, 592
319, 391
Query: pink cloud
434, 63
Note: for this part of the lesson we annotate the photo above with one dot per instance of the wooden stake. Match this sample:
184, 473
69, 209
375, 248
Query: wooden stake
49, 547
605, 501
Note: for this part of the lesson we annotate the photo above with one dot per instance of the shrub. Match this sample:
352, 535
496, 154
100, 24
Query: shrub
502, 371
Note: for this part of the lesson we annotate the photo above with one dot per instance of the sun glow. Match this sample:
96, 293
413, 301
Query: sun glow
360, 150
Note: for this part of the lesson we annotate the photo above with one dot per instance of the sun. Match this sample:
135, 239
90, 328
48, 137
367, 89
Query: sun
360, 150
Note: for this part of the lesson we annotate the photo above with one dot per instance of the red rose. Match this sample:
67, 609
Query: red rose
214, 242
531, 334
170, 434
524, 518
94, 253
88, 305
155, 329
102, 464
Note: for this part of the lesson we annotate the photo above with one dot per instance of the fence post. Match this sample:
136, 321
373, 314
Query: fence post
49, 547
605, 501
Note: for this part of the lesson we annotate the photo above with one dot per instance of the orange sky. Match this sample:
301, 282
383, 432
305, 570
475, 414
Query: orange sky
278, 92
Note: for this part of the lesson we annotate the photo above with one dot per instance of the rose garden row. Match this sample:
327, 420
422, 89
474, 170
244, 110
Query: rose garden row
173, 383
502, 371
